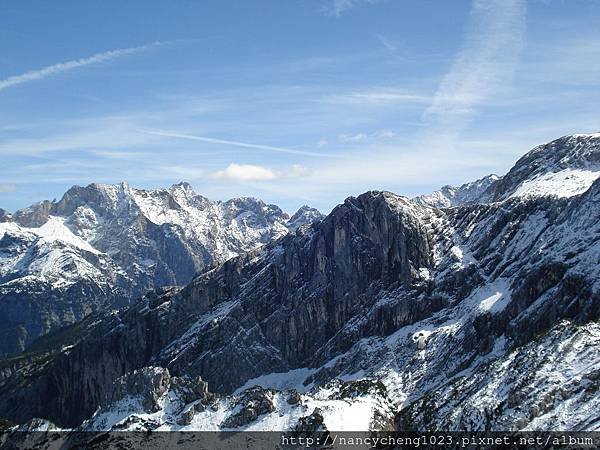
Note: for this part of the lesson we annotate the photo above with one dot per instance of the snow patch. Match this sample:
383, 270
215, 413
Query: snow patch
55, 230
293, 379
566, 183
495, 302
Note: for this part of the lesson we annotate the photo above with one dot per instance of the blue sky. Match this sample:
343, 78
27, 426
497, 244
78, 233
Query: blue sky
296, 102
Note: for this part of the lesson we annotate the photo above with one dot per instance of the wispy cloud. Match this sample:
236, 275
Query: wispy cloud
362, 137
356, 137
116, 154
486, 63
564, 59
252, 172
185, 173
235, 143
322, 142
379, 96
482, 69
384, 134
338, 7
55, 69
389, 45
8, 187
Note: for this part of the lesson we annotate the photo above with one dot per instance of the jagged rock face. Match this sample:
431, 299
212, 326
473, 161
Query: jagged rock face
34, 216
102, 246
423, 303
283, 307
253, 409
148, 383
254, 403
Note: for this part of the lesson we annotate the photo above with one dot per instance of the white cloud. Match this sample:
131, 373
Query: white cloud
245, 172
70, 65
251, 172
322, 142
8, 187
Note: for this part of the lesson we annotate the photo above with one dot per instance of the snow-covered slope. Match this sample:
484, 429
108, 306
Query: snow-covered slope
449, 196
564, 167
480, 316
185, 404
102, 246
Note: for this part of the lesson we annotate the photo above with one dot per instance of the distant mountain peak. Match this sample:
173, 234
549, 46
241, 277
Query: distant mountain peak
449, 196
304, 215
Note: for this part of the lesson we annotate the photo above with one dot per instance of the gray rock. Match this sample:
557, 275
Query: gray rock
311, 424
294, 398
252, 404
148, 383
186, 417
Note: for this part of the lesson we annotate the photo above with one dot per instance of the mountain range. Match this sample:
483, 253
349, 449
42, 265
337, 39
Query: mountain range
473, 308
102, 246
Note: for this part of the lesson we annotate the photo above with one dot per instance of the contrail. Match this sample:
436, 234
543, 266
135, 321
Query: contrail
494, 38
70, 65
237, 143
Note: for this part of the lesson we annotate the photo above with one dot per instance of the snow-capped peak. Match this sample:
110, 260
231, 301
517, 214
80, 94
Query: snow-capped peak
303, 216
562, 168
449, 196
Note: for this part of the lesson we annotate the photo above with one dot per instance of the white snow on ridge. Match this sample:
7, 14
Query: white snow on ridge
6, 227
339, 414
57, 254
566, 183
55, 230
587, 135
294, 379
212, 223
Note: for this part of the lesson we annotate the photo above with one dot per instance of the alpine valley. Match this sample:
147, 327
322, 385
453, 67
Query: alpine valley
473, 308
